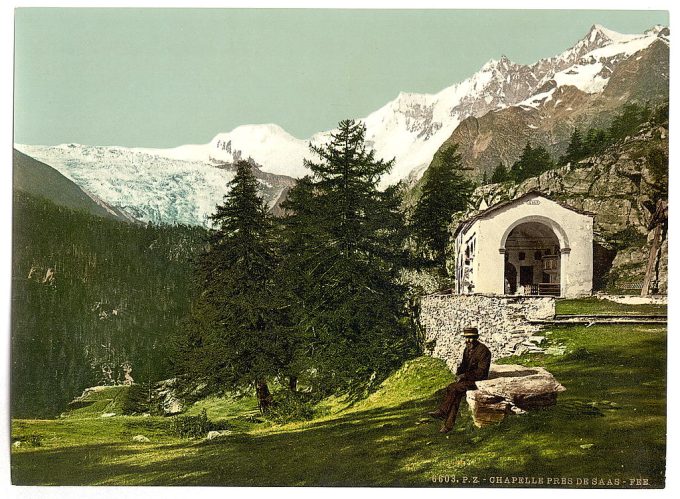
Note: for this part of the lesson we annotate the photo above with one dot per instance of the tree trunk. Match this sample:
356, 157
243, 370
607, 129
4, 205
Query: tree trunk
264, 396
292, 383
657, 224
651, 263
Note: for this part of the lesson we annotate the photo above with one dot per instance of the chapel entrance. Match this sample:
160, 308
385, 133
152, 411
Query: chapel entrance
533, 248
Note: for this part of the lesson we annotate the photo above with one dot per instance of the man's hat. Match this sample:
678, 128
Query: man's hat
471, 332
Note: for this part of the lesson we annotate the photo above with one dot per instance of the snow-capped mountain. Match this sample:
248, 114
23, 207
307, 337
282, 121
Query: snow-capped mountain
183, 184
586, 95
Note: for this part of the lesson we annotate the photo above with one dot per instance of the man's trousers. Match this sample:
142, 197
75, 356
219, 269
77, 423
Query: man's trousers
454, 394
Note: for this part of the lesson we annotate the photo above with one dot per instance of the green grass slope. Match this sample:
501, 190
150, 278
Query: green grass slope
610, 423
595, 306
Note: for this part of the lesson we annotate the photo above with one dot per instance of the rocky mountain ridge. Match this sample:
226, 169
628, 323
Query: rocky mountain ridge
565, 101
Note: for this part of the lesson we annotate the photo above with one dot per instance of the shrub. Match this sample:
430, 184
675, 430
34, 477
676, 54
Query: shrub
191, 426
291, 407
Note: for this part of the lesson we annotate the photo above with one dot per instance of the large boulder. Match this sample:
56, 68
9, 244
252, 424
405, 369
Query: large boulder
512, 389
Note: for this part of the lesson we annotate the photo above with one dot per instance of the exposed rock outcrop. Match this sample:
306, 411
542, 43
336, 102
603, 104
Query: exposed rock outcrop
167, 398
620, 186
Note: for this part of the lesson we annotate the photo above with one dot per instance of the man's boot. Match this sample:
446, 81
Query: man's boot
448, 423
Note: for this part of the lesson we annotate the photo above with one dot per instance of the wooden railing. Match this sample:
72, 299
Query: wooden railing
545, 289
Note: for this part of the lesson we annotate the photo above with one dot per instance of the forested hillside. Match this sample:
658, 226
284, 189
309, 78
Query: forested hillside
92, 299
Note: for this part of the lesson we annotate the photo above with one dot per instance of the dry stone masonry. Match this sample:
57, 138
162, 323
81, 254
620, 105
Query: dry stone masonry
503, 323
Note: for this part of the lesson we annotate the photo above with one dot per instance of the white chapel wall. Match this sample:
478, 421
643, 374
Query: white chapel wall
573, 230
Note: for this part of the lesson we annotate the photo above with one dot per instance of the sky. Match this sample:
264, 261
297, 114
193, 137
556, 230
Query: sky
166, 77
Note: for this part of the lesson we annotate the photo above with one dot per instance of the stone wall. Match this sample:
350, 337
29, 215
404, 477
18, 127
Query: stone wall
502, 322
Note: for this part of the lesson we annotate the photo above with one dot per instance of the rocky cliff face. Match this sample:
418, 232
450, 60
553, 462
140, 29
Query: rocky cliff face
621, 187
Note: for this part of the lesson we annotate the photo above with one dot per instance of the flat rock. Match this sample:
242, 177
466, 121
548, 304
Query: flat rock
217, 434
512, 389
140, 438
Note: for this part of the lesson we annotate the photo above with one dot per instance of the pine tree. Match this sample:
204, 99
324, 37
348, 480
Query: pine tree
499, 174
233, 340
517, 170
627, 121
531, 163
596, 140
445, 192
343, 242
576, 149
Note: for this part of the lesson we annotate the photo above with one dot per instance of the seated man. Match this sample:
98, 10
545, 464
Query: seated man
474, 367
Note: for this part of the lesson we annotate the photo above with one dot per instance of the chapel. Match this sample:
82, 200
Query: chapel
531, 245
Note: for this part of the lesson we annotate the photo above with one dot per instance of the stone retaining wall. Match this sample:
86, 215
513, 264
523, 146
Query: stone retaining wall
635, 299
502, 322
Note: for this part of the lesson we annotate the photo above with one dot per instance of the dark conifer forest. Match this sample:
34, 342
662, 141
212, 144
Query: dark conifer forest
92, 298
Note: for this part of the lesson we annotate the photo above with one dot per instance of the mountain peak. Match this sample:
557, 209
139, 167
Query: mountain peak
409, 128
658, 30
602, 36
599, 35
500, 64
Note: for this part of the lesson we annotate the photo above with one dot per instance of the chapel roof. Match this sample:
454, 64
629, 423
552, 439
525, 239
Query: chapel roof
467, 223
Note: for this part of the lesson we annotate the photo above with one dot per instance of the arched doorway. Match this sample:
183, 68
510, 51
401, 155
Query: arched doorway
533, 249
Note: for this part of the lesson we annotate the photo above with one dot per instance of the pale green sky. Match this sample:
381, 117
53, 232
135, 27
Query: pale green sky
165, 77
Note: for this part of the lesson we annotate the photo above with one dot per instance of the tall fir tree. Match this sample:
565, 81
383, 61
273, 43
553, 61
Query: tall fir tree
445, 192
627, 121
343, 241
595, 141
233, 338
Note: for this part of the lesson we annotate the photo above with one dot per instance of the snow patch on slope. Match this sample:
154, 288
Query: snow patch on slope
585, 77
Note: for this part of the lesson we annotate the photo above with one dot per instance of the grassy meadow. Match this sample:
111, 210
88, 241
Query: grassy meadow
596, 306
609, 425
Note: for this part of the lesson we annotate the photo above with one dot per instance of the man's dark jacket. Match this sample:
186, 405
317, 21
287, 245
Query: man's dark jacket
475, 364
